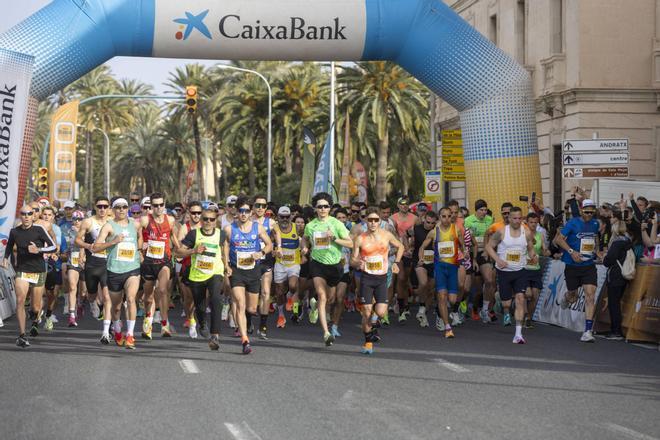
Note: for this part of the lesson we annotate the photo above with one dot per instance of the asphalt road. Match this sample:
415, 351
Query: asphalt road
416, 385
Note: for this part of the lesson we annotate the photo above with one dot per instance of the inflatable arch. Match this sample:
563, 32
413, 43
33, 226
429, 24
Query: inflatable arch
492, 93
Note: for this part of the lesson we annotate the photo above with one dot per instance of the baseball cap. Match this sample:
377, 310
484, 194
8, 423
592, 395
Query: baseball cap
135, 208
588, 203
69, 204
78, 214
284, 210
146, 201
231, 199
402, 201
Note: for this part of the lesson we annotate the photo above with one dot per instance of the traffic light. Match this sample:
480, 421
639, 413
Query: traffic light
42, 180
191, 99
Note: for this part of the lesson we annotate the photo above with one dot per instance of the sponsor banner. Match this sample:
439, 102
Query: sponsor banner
362, 178
7, 292
548, 308
15, 78
256, 29
322, 179
62, 165
309, 157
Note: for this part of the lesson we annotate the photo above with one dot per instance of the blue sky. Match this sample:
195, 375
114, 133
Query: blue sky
153, 71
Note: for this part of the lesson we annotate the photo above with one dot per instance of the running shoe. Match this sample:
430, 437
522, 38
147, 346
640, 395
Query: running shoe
22, 341
484, 316
507, 320
119, 339
183, 313
105, 339
328, 339
368, 348
49, 324
529, 323
165, 331
565, 303
449, 334
208, 310
157, 316
386, 319
237, 333
519, 340
214, 342
146, 328
403, 317
296, 308
614, 336
492, 316
588, 336
225, 312
497, 308
461, 318
295, 318
289, 304
130, 342
313, 312
281, 321
192, 329
94, 309
53, 318
186, 323
80, 311
72, 321
232, 323
34, 330
250, 329
475, 315
335, 331
455, 319
263, 333
203, 330
462, 307
439, 323
246, 347
373, 336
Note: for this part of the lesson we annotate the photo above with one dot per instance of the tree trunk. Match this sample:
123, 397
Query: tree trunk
381, 168
181, 173
89, 173
198, 154
223, 171
288, 163
214, 162
251, 175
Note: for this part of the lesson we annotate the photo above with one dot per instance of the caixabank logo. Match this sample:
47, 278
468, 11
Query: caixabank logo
191, 22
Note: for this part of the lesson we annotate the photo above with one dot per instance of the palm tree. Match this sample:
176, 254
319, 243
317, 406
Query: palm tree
385, 95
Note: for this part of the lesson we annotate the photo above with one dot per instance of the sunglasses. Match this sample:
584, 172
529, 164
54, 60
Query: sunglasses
195, 212
144, 208
260, 205
589, 212
178, 209
76, 219
121, 207
157, 205
102, 206
323, 207
355, 211
135, 200
135, 212
208, 219
244, 211
373, 220
26, 214
285, 217
430, 222
445, 216
231, 205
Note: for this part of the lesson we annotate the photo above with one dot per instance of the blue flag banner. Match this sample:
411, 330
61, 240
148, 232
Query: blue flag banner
322, 180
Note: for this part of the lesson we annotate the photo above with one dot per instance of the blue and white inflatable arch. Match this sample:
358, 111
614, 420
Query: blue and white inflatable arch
68, 38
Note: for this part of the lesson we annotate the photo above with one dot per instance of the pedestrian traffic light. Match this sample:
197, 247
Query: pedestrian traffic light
42, 180
191, 99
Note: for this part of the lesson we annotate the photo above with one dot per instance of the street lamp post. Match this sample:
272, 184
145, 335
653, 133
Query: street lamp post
270, 120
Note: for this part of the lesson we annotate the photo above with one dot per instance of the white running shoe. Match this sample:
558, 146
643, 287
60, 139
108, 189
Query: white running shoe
484, 316
588, 336
2, 324
225, 312
519, 340
423, 321
439, 323
94, 309
192, 331
455, 319
207, 311
157, 317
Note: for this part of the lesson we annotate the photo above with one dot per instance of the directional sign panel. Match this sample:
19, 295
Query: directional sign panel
452, 142
595, 172
602, 145
452, 151
453, 169
569, 159
452, 160
453, 177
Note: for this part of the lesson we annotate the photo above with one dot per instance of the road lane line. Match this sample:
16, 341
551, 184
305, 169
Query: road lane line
451, 366
188, 366
630, 433
242, 432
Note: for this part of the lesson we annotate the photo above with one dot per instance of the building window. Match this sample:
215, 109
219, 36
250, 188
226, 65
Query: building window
521, 32
492, 28
557, 20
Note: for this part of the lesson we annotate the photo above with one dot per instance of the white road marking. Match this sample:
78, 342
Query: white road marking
647, 346
242, 431
630, 433
188, 366
450, 366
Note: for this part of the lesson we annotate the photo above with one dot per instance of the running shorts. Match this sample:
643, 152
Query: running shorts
249, 279
577, 276
331, 273
373, 287
510, 283
150, 271
94, 276
446, 277
281, 273
117, 281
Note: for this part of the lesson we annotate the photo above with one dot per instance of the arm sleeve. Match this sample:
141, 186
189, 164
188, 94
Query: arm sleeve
49, 244
190, 238
10, 244
575, 209
637, 213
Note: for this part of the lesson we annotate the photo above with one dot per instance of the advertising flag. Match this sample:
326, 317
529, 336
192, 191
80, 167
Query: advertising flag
309, 157
62, 164
344, 186
322, 179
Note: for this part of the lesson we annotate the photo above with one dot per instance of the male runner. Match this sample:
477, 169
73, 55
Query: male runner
242, 254
478, 223
206, 271
267, 263
156, 230
424, 270
403, 221
195, 213
515, 247
371, 256
325, 236
75, 263
121, 238
534, 273
31, 242
53, 268
579, 241
287, 261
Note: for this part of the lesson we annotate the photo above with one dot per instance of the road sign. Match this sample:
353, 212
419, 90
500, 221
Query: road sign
452, 160
452, 151
595, 145
432, 185
453, 169
595, 172
452, 134
452, 142
453, 177
620, 158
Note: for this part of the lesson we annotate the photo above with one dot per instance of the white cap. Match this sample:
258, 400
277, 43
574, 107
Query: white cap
145, 201
588, 202
231, 199
284, 210
69, 204
120, 202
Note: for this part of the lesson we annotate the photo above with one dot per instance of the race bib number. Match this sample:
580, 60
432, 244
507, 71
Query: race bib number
75, 259
288, 257
428, 256
513, 256
374, 265
102, 254
587, 246
205, 264
245, 260
321, 240
156, 249
32, 278
446, 249
480, 241
126, 252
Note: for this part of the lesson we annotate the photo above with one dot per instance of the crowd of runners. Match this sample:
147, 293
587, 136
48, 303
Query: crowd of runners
246, 259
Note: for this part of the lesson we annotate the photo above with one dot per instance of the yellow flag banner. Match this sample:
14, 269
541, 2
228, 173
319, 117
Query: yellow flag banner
344, 186
62, 163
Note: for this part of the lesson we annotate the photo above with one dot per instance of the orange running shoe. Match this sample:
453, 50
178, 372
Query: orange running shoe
289, 304
130, 342
281, 321
475, 315
186, 323
119, 339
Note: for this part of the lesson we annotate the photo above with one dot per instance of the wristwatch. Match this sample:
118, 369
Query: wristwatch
570, 251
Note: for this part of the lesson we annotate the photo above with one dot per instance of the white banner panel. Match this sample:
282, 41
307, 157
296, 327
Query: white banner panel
548, 308
261, 29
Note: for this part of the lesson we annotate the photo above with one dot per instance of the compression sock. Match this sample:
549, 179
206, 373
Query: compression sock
263, 321
588, 325
519, 328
